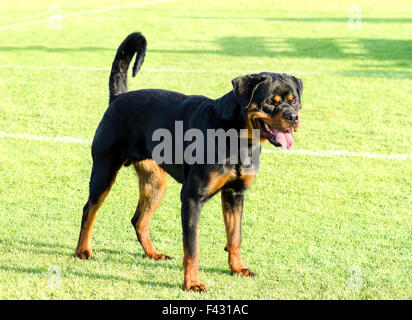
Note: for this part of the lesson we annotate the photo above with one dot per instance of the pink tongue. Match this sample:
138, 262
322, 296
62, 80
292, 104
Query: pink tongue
285, 139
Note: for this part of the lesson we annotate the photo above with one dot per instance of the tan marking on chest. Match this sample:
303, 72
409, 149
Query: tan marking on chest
247, 179
218, 180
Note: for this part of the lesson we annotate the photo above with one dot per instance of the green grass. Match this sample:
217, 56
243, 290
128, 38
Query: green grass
308, 222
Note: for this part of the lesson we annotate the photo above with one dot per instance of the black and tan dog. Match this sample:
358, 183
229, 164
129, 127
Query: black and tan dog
266, 101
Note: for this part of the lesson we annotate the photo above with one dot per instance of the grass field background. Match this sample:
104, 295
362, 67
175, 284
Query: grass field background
314, 227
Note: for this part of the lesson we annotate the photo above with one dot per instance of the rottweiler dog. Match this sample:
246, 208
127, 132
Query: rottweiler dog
268, 102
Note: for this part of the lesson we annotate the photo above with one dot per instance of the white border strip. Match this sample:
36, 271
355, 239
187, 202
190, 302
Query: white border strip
360, 74
311, 153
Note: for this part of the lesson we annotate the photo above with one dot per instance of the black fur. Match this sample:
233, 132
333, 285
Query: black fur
134, 43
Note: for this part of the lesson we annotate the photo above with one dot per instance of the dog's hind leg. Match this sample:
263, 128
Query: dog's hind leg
152, 184
103, 176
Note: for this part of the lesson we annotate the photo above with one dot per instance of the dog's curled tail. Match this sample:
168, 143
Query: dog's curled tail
134, 43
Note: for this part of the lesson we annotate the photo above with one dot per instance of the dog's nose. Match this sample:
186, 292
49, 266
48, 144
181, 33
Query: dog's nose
291, 116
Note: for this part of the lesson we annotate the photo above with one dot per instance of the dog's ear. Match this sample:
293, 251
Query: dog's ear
299, 86
243, 89
245, 86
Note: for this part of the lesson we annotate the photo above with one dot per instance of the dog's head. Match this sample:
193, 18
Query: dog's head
270, 102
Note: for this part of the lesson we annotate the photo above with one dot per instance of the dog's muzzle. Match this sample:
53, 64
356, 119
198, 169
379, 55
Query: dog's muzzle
277, 138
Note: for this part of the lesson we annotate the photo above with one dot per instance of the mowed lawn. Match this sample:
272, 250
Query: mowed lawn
315, 226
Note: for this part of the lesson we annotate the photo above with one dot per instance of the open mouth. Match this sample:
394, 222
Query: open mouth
277, 138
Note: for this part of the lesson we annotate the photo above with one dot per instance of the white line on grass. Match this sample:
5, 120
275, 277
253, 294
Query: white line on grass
327, 153
360, 74
19, 66
43, 138
196, 19
84, 12
342, 153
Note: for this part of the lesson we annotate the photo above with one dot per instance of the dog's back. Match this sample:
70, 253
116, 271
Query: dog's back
135, 115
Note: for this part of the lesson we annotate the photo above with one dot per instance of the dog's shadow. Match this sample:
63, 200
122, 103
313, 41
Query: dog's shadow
135, 257
88, 274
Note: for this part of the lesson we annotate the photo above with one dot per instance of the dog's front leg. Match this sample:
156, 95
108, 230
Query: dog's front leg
232, 207
192, 204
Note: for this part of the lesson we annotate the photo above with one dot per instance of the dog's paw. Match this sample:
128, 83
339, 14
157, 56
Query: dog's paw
84, 254
198, 287
244, 272
160, 256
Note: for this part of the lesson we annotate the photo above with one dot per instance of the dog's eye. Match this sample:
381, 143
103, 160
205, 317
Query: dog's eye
291, 97
273, 101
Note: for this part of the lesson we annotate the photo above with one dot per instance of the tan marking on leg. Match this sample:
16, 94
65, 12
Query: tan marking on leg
191, 273
152, 184
84, 247
232, 215
232, 219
